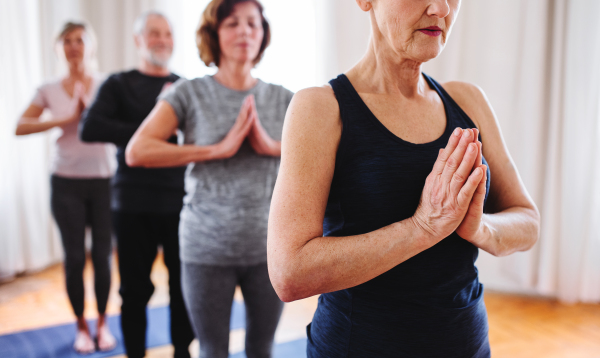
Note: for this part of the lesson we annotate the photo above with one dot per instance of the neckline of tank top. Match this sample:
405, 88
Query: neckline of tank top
258, 84
439, 142
89, 91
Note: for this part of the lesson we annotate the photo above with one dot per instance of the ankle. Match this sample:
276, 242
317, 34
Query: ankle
101, 320
82, 325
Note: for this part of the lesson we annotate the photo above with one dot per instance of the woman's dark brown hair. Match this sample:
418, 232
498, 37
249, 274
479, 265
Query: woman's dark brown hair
207, 36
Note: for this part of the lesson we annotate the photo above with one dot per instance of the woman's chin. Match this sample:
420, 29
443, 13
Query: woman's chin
243, 58
75, 61
427, 53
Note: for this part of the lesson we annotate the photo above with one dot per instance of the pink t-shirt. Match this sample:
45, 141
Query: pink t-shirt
74, 158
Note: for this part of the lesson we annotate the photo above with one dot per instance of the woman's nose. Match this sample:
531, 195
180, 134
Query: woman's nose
439, 8
245, 29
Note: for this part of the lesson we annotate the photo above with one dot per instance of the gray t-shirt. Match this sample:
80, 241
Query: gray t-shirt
226, 207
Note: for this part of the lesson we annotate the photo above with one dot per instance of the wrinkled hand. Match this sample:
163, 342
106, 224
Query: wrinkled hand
258, 137
450, 187
236, 135
471, 227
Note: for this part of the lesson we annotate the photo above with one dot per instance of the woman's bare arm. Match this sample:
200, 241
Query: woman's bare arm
30, 123
301, 261
512, 221
149, 146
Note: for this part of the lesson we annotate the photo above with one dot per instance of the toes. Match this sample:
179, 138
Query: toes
84, 343
106, 341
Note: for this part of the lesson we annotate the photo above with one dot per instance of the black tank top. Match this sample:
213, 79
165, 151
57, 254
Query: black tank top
428, 306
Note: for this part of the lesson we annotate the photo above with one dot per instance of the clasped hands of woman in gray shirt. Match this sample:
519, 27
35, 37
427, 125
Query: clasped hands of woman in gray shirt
151, 152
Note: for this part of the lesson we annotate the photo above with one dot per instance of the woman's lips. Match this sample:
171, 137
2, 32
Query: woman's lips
432, 31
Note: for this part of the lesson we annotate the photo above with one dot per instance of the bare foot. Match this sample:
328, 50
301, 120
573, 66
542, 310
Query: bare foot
84, 344
106, 341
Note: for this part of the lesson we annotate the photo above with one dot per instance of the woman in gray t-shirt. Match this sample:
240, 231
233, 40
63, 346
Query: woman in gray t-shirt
231, 124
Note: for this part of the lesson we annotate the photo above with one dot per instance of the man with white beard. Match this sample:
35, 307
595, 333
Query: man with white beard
145, 202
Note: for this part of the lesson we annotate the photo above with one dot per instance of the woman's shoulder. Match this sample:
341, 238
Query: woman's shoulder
320, 97
50, 84
273, 87
471, 99
315, 106
198, 84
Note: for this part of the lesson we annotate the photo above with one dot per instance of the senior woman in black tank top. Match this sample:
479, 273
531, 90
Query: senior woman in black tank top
381, 203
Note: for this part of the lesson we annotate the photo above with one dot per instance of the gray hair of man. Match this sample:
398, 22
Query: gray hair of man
140, 22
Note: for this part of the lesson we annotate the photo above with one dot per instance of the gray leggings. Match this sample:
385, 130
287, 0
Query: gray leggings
208, 294
75, 203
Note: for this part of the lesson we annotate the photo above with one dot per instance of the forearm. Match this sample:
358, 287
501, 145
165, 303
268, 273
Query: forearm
155, 153
327, 264
509, 231
276, 148
34, 125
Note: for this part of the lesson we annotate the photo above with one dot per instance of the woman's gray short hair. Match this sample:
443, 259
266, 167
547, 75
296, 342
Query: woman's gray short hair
140, 23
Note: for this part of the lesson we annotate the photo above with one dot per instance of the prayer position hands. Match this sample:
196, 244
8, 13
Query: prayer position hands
248, 126
234, 139
453, 190
472, 225
258, 137
80, 102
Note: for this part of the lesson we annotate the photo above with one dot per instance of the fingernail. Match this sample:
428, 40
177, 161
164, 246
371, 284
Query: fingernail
457, 132
467, 134
471, 147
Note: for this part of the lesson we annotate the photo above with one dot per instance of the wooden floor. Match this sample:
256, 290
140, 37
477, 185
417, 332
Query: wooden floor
520, 327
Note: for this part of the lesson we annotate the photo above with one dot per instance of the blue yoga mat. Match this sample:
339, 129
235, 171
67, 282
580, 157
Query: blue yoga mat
57, 341
293, 349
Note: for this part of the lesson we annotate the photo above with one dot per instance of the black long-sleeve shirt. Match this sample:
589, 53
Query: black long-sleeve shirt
123, 101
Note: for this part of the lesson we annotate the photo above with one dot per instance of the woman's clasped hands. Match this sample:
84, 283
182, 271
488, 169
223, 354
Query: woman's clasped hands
247, 125
79, 103
454, 192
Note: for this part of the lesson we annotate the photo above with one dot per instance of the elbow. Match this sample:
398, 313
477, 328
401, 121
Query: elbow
286, 284
21, 129
286, 290
535, 227
133, 155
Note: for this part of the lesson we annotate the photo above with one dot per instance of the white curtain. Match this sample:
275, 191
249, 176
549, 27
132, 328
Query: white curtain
539, 63
27, 237
573, 270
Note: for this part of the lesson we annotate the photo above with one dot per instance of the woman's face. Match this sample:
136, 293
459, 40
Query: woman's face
241, 34
74, 46
416, 29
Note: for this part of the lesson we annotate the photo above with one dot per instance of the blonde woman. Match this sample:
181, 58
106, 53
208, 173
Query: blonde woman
80, 191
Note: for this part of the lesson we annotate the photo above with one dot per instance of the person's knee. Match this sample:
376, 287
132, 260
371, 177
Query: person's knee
259, 349
74, 263
101, 260
136, 294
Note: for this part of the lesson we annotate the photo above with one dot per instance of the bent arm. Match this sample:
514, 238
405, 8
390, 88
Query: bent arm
149, 146
301, 261
101, 122
30, 123
511, 222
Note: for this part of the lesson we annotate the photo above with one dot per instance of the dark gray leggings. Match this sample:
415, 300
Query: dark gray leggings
75, 203
208, 294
